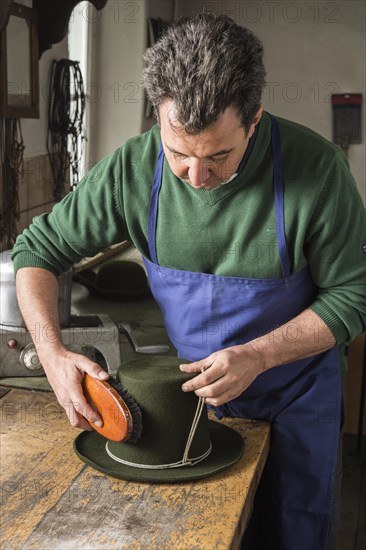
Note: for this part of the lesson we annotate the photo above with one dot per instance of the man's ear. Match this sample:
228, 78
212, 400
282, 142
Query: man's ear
255, 121
258, 115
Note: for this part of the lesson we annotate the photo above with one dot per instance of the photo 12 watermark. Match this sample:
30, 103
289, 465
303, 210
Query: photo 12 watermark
117, 11
252, 12
294, 92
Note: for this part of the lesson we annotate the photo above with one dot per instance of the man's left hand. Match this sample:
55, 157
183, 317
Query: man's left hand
225, 374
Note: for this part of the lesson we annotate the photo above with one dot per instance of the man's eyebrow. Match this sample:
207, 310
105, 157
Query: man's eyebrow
222, 152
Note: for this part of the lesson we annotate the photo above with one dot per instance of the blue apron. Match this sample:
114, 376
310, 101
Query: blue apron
204, 313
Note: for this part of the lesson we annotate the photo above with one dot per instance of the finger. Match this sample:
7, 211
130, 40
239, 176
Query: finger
76, 420
202, 380
197, 366
221, 392
211, 391
91, 368
82, 407
218, 400
223, 398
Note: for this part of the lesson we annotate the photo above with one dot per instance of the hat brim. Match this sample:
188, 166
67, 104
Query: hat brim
227, 449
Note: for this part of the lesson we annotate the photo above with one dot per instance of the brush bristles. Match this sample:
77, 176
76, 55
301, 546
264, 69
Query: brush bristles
132, 407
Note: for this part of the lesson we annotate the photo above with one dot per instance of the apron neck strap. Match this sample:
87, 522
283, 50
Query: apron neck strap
278, 194
153, 207
279, 198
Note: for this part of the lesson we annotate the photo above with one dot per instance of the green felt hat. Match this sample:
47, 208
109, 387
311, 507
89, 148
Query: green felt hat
116, 280
178, 442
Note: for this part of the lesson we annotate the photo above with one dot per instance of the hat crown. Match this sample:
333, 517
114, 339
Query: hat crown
175, 424
175, 430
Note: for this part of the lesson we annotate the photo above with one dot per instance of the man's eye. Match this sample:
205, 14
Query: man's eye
218, 159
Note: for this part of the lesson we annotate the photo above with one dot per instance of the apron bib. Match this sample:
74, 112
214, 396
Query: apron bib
204, 313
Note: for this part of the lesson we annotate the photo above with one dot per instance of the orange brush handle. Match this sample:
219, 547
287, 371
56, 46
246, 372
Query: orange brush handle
116, 416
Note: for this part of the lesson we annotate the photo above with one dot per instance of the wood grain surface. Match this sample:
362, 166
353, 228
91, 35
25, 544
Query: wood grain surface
51, 499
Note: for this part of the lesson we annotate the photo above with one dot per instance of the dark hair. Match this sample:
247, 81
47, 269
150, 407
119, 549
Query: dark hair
205, 63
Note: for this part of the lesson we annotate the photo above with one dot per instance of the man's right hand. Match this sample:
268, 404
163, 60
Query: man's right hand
65, 372
37, 292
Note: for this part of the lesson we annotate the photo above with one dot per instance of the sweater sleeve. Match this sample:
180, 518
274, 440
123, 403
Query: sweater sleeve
336, 253
85, 222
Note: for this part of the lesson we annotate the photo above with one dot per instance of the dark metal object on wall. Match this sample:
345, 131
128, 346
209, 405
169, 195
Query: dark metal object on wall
11, 159
346, 119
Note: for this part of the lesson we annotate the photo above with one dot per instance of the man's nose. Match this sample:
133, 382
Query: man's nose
198, 172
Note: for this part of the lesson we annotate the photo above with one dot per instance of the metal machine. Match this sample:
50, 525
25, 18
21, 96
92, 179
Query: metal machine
96, 336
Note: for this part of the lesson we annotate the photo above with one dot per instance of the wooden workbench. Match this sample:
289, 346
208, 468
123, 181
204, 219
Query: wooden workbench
53, 500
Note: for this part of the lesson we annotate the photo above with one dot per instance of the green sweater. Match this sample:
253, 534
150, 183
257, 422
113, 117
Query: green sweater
229, 230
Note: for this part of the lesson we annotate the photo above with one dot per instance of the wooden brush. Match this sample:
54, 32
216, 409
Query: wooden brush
121, 415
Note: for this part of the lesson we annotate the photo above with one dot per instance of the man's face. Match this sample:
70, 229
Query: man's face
210, 158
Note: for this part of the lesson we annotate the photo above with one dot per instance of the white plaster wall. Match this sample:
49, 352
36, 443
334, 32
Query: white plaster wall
34, 130
114, 90
312, 49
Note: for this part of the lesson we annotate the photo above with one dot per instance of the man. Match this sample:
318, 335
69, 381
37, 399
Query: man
252, 229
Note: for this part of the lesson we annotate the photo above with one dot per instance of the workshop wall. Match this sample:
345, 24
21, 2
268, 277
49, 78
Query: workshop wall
312, 50
308, 58
36, 182
115, 95
309, 55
